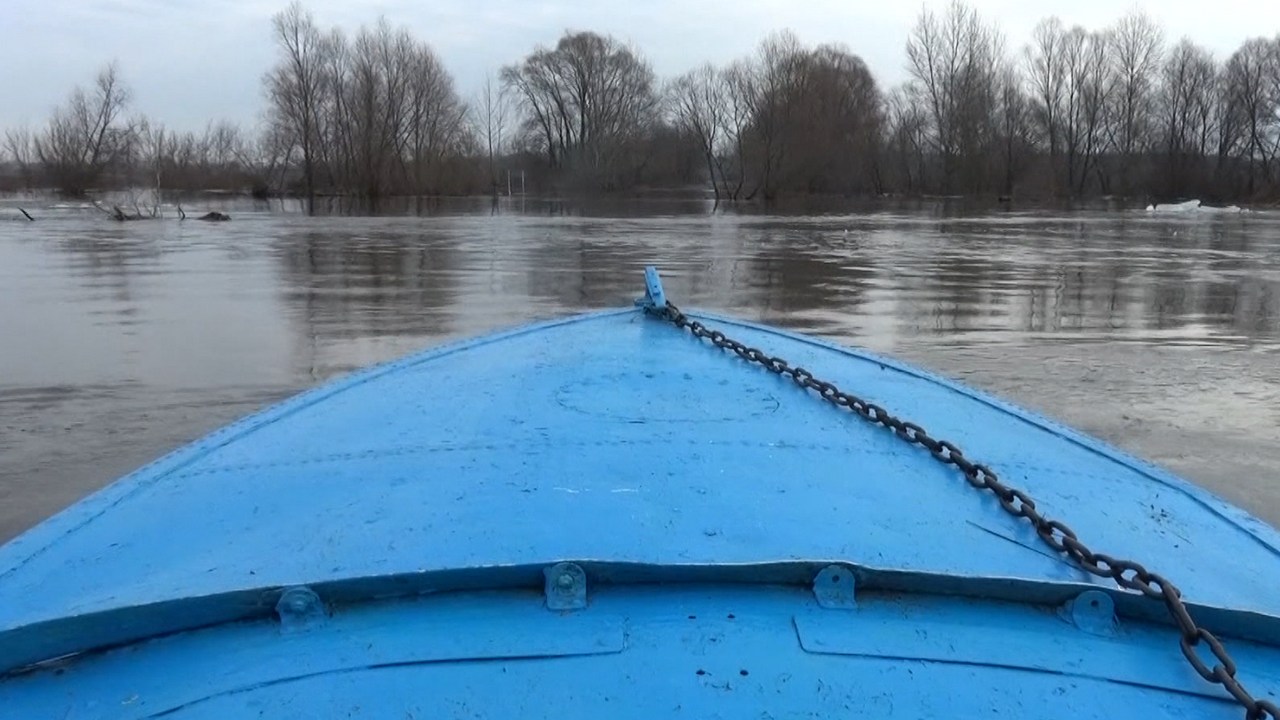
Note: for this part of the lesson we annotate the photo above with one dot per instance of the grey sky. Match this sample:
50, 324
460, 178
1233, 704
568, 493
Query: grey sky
190, 61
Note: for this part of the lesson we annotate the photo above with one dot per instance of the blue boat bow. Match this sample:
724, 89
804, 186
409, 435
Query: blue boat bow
621, 520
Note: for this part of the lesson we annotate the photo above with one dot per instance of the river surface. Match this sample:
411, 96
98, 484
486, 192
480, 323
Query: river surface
119, 341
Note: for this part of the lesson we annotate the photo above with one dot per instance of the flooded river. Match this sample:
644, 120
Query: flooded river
119, 341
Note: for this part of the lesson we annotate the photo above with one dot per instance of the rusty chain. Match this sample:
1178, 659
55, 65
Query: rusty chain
1126, 573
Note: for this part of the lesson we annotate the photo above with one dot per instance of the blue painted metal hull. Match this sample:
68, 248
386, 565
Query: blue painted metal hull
421, 504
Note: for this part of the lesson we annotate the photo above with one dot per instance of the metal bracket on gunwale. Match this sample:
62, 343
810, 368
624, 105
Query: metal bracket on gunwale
566, 587
654, 297
835, 588
299, 607
1092, 611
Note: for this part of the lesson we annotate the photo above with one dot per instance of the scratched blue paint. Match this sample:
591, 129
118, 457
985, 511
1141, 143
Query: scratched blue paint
424, 501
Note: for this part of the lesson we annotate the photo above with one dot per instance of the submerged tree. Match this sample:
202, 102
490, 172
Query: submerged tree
85, 137
828, 138
371, 116
699, 106
1047, 75
1185, 116
907, 142
588, 104
1015, 127
20, 146
1136, 60
297, 84
491, 118
955, 61
1253, 102
789, 120
1093, 82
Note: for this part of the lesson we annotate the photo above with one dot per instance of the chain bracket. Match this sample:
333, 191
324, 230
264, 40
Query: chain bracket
1093, 611
299, 608
655, 299
835, 588
565, 587
1219, 669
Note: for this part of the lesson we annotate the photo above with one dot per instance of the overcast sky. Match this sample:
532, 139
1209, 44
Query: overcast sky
190, 61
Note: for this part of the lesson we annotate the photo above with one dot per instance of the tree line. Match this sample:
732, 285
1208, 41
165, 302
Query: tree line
91, 142
1074, 113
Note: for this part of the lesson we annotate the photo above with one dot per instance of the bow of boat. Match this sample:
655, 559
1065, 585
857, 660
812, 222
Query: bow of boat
651, 462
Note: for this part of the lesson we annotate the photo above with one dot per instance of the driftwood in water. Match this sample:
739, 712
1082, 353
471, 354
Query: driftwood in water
212, 216
24, 212
120, 215
115, 213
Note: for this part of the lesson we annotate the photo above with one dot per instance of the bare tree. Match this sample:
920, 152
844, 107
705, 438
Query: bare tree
1138, 45
21, 147
589, 101
715, 107
1096, 83
1229, 124
296, 85
1252, 101
264, 159
225, 142
1272, 115
1075, 63
1016, 125
740, 101
776, 78
698, 106
1185, 114
907, 137
543, 101
83, 138
375, 112
383, 116
155, 151
954, 61
1047, 76
791, 119
836, 125
435, 122
491, 117
337, 151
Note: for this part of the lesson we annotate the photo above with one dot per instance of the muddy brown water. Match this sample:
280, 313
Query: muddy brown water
119, 341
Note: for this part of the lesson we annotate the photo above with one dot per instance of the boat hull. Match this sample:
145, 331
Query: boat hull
671, 650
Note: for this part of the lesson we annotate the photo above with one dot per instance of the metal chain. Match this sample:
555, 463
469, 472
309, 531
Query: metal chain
1126, 573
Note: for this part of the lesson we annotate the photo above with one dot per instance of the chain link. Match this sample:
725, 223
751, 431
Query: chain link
1057, 535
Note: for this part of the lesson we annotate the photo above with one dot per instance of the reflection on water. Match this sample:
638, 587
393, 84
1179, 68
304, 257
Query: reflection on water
119, 341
